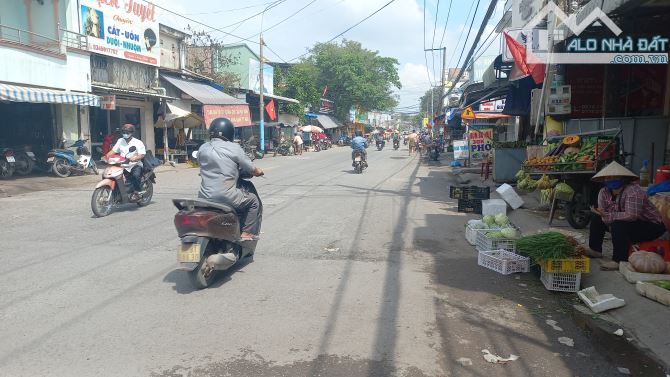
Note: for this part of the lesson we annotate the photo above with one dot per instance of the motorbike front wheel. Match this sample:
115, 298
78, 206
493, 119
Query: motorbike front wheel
6, 169
24, 164
61, 168
102, 201
148, 189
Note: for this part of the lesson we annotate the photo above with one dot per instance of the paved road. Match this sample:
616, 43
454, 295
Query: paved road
355, 275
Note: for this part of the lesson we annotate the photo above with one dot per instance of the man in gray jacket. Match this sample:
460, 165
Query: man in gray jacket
221, 163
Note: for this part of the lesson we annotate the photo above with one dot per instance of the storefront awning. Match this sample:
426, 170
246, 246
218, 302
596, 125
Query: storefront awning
327, 122
203, 93
128, 92
17, 93
179, 118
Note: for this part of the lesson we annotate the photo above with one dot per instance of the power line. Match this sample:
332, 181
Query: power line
485, 21
460, 36
239, 23
284, 20
228, 10
353, 26
468, 36
425, 54
445, 25
432, 44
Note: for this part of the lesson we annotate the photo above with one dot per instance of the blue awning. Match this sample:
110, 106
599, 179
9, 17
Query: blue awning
17, 93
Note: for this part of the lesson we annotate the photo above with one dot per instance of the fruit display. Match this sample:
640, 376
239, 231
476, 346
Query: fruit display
573, 154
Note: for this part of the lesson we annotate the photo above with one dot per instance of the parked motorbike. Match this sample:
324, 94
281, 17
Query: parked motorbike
434, 152
7, 163
249, 150
114, 189
64, 162
210, 237
25, 159
284, 150
396, 145
359, 162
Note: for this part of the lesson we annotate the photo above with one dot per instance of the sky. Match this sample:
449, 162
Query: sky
396, 31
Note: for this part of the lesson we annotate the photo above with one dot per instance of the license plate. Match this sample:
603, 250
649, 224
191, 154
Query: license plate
357, 159
10, 158
30, 154
189, 252
51, 159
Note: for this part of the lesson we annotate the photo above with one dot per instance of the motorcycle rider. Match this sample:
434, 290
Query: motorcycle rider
359, 143
380, 139
133, 170
221, 162
396, 139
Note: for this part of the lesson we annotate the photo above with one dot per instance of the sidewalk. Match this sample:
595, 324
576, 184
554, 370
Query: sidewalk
646, 323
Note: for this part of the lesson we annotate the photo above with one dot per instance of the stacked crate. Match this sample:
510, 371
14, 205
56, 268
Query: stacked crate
470, 197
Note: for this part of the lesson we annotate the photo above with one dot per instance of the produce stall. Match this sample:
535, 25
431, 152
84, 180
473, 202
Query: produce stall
571, 160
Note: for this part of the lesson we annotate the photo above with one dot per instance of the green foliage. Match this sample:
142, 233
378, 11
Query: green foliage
300, 82
425, 101
354, 76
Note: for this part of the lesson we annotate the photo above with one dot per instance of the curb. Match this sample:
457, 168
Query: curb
623, 351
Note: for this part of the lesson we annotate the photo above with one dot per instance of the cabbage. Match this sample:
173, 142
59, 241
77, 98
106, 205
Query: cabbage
489, 220
510, 233
495, 235
477, 224
501, 219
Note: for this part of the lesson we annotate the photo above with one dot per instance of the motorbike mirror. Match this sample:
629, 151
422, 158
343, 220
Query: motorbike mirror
195, 154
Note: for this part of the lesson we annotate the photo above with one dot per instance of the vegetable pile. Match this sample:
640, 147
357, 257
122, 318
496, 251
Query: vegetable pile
548, 245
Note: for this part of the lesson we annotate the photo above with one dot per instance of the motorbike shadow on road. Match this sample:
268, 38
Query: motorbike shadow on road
129, 207
182, 285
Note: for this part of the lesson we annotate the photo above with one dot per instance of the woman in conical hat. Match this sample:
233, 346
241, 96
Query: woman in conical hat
625, 211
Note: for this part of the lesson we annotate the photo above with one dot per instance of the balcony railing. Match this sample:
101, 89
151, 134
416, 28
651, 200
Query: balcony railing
27, 38
68, 39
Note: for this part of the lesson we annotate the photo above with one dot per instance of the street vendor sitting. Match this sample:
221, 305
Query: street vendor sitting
625, 211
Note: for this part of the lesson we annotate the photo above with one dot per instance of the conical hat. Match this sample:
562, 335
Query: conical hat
614, 169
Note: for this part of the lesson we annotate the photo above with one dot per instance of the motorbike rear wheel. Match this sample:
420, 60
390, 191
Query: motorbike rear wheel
148, 189
200, 278
102, 201
24, 164
6, 169
61, 168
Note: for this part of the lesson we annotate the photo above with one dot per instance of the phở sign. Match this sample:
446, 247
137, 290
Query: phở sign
124, 29
481, 141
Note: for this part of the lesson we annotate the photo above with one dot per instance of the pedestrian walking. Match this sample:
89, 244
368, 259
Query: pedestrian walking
297, 143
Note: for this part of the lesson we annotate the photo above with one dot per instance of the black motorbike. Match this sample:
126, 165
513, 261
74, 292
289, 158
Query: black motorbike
434, 152
358, 161
284, 150
210, 237
380, 144
396, 144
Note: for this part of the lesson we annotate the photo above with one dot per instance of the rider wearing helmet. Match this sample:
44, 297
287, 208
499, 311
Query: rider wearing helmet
359, 143
133, 170
221, 163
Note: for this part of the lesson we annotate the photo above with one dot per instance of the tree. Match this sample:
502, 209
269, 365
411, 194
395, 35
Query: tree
298, 82
425, 102
205, 57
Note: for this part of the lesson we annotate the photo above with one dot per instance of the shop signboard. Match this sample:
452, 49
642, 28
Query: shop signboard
468, 113
108, 102
481, 141
461, 150
254, 77
492, 106
123, 29
238, 114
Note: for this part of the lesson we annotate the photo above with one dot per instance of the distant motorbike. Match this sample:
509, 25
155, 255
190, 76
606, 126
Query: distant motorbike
404, 141
284, 150
358, 162
249, 150
380, 144
114, 189
396, 144
434, 152
7, 162
64, 162
210, 237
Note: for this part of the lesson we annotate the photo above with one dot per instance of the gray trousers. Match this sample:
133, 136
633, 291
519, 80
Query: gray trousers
250, 212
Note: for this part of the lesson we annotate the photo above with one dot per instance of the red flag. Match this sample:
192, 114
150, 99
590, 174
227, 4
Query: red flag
325, 91
270, 108
518, 51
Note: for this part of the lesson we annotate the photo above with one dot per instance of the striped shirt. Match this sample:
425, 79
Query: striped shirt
632, 204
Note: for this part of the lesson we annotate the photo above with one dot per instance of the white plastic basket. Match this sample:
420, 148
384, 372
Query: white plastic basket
561, 281
483, 243
471, 235
503, 261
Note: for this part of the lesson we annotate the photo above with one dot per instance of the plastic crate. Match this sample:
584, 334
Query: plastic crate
483, 243
567, 265
471, 235
470, 206
503, 261
469, 192
561, 281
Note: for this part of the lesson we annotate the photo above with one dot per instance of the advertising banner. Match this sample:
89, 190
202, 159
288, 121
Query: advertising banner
481, 141
238, 114
460, 150
108, 102
254, 77
122, 29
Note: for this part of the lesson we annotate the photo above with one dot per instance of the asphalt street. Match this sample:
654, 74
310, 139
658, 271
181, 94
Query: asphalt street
355, 275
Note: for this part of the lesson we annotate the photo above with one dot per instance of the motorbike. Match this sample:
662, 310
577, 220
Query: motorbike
284, 149
396, 145
210, 237
249, 150
64, 162
25, 159
115, 190
404, 141
434, 152
359, 162
7, 163
380, 144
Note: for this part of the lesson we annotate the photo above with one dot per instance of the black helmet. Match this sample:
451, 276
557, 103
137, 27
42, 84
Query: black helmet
128, 128
359, 133
222, 128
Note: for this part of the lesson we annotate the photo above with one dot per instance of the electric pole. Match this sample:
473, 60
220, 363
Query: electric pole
261, 102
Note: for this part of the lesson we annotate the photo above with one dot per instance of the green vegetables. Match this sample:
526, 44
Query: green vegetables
510, 233
501, 219
665, 284
495, 235
564, 188
489, 220
548, 245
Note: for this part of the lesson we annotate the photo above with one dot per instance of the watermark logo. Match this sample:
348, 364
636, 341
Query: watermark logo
614, 48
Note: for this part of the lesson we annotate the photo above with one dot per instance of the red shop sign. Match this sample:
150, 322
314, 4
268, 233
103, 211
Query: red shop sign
238, 114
